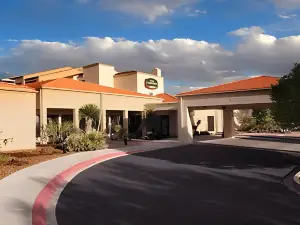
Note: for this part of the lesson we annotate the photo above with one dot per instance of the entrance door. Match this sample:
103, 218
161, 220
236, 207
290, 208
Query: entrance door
165, 126
134, 121
211, 123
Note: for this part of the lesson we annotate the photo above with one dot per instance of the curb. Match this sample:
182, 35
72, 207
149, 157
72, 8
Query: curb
43, 200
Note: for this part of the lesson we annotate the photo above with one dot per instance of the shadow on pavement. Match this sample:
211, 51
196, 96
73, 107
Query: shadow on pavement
225, 156
272, 139
195, 184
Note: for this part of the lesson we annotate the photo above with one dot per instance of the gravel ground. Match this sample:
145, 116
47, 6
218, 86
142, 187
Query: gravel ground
11, 162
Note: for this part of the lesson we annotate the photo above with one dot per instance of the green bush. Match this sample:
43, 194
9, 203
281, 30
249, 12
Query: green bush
246, 123
116, 128
122, 132
53, 133
4, 158
80, 142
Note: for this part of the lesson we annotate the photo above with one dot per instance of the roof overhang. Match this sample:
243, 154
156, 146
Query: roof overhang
96, 92
163, 106
224, 92
19, 89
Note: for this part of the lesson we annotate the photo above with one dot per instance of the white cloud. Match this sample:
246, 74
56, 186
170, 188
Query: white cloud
193, 12
286, 16
247, 31
149, 9
185, 62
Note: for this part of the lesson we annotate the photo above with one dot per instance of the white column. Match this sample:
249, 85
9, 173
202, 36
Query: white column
219, 121
125, 119
76, 118
59, 120
103, 120
185, 130
43, 124
228, 122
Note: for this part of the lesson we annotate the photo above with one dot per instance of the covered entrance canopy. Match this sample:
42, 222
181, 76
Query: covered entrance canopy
243, 94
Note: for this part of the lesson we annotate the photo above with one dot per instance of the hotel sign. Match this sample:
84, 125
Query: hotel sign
151, 83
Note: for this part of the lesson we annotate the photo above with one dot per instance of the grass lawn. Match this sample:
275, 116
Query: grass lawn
11, 162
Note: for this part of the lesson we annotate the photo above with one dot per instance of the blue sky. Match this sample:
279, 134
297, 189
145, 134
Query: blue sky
208, 41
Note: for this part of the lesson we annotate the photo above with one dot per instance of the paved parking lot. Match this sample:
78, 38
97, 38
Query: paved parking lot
196, 184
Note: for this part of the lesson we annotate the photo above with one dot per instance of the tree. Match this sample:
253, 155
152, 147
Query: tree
90, 113
285, 98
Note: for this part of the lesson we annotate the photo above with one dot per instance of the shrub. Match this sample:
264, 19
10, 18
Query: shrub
92, 141
116, 128
246, 123
55, 134
4, 158
122, 132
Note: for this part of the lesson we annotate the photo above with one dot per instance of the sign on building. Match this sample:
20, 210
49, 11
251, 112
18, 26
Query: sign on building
151, 83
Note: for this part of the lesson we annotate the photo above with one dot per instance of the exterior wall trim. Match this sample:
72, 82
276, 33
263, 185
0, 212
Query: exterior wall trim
95, 92
18, 90
211, 93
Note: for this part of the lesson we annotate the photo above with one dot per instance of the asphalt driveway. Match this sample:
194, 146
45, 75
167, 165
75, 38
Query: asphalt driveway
196, 184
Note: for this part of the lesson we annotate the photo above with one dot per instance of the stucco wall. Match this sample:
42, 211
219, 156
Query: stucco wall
203, 114
91, 74
100, 74
115, 102
17, 119
141, 84
126, 82
249, 99
68, 99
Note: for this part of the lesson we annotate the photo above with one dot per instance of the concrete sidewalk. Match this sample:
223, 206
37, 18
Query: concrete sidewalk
18, 191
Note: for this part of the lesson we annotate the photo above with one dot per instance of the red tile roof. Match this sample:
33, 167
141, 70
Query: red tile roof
255, 83
167, 98
16, 87
70, 84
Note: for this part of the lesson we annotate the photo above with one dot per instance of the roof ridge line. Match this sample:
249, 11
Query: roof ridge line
218, 85
173, 96
50, 70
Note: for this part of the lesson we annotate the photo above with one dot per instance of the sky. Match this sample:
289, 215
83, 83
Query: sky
196, 43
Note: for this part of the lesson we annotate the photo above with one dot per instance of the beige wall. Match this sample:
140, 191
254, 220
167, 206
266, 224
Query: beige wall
68, 99
100, 74
130, 103
235, 100
126, 82
135, 81
141, 84
74, 100
203, 114
17, 119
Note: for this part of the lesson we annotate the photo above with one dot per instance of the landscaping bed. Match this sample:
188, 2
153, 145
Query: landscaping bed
11, 162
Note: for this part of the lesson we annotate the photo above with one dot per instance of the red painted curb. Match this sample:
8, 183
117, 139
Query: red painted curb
42, 201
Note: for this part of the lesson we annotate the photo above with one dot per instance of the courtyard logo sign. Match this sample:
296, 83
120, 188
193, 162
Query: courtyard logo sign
151, 83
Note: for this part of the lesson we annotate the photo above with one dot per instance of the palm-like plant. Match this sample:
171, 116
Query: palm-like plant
90, 113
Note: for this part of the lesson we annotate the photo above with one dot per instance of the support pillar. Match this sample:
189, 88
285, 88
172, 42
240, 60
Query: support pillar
219, 121
185, 130
43, 124
59, 120
103, 120
76, 118
228, 121
125, 119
